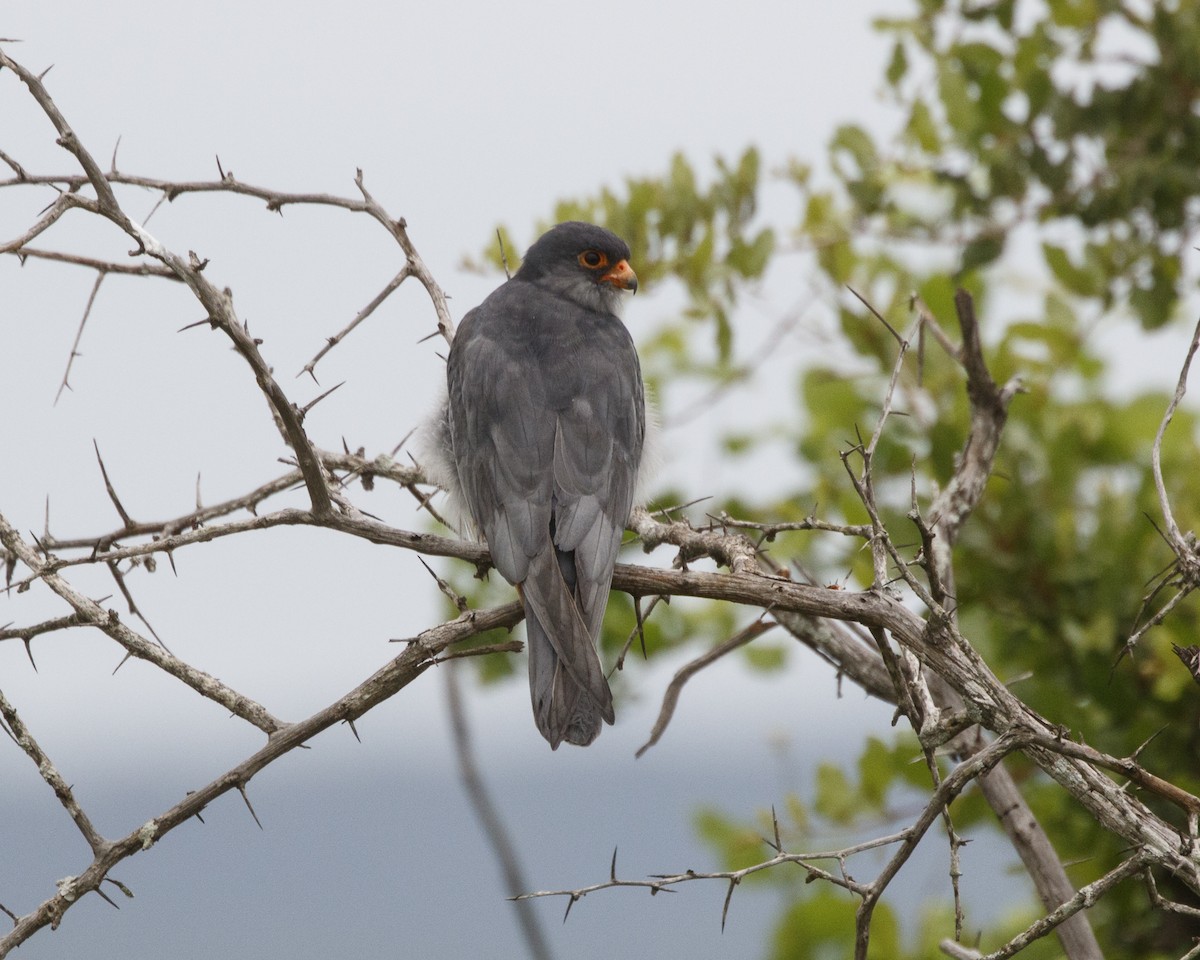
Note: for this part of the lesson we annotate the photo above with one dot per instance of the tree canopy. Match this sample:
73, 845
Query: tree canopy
1047, 160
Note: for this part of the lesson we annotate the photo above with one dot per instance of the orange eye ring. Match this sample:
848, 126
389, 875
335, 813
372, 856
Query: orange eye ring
593, 260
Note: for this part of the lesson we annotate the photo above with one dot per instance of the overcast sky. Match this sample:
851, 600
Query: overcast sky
462, 116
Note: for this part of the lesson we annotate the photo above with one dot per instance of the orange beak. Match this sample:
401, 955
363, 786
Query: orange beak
622, 276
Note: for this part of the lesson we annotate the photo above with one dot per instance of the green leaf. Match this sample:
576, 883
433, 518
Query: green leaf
982, 251
876, 771
898, 65
1080, 280
765, 658
1073, 13
835, 798
922, 129
956, 98
724, 335
1154, 303
750, 259
855, 141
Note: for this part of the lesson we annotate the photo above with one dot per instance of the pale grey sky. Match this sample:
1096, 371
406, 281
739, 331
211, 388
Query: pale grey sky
462, 115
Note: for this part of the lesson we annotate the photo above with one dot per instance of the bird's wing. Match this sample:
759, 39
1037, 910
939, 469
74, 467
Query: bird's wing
503, 441
597, 447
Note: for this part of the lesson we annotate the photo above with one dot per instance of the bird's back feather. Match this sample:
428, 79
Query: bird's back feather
547, 423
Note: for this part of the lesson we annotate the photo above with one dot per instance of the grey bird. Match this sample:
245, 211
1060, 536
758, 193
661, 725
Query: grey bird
541, 441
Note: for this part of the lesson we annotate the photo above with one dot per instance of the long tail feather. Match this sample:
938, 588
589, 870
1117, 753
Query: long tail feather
566, 681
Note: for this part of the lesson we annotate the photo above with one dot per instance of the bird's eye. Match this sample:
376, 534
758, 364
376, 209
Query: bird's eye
593, 259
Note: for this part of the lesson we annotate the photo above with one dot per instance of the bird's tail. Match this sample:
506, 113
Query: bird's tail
566, 681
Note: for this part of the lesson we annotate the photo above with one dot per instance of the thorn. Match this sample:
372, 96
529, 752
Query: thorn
641, 626
459, 601
29, 653
120, 886
40, 544
1145, 743
312, 403
733, 882
112, 494
121, 664
612, 870
503, 254
133, 607
403, 440
249, 806
353, 729
107, 899
570, 904
878, 315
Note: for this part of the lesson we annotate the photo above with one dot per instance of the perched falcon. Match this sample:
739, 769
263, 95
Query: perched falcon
540, 441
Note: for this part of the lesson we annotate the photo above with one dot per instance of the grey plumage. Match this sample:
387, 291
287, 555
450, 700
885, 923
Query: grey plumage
542, 437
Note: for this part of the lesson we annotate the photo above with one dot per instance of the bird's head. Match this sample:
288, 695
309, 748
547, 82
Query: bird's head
582, 262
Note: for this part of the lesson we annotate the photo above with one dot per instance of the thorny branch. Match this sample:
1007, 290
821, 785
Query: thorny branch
489, 815
906, 839
922, 663
420, 653
1184, 575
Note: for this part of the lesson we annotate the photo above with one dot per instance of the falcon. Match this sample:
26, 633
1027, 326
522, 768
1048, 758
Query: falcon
540, 442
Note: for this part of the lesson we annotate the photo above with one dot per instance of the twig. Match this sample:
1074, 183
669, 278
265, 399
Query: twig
93, 614
692, 667
420, 654
489, 816
25, 740
87, 310
1187, 574
101, 266
331, 342
949, 788
1174, 536
219, 304
1084, 898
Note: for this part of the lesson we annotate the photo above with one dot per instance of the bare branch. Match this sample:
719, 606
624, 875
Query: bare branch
392, 285
100, 266
489, 816
1086, 897
949, 788
692, 667
420, 653
219, 304
989, 412
24, 739
107, 621
65, 202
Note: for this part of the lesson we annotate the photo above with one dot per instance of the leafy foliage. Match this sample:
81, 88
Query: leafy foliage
1058, 143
